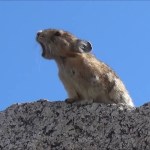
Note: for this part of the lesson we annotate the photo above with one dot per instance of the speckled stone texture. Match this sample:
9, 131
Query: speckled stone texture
44, 125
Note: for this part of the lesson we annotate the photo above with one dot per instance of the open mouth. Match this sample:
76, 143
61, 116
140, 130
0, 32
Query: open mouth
46, 52
43, 49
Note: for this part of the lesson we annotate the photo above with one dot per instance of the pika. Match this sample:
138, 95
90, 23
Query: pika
84, 77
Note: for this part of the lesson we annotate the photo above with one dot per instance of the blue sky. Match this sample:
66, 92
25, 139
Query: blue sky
118, 31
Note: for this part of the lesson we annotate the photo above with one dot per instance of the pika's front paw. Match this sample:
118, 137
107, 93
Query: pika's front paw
70, 100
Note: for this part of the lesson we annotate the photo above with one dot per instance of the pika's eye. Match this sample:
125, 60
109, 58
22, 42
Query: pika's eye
57, 33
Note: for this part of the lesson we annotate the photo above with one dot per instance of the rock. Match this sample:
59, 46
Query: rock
45, 125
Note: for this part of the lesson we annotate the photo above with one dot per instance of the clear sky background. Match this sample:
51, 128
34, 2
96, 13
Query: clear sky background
118, 31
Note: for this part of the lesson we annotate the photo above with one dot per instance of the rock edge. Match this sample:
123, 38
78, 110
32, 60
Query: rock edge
45, 125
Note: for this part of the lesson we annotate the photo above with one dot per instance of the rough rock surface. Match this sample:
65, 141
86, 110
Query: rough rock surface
44, 125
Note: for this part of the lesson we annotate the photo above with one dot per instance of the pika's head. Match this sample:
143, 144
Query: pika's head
59, 43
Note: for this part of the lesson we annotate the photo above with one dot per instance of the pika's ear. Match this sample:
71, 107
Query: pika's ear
83, 46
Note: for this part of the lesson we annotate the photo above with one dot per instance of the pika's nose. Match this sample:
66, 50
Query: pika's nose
39, 33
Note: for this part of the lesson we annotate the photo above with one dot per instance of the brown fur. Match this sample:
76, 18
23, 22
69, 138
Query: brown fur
84, 77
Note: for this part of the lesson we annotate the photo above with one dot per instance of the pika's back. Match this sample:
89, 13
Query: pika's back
84, 77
